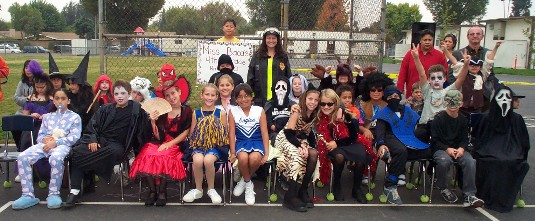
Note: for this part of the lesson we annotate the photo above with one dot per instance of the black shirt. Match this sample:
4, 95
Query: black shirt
117, 131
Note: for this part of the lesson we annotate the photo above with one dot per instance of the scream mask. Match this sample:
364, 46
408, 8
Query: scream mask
504, 100
281, 89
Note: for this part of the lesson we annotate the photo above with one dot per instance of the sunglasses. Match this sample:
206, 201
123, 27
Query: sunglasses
325, 103
376, 90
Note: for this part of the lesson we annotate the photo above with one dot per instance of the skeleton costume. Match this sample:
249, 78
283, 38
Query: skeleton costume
501, 149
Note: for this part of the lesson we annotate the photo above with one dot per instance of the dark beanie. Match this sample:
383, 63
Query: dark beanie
389, 90
225, 59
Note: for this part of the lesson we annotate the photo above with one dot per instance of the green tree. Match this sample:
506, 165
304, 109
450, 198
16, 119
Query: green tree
214, 13
455, 12
26, 19
398, 18
74, 11
4, 26
520, 8
185, 20
123, 16
264, 13
54, 21
303, 14
84, 28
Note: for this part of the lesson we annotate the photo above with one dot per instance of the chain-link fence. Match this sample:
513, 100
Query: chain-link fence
314, 32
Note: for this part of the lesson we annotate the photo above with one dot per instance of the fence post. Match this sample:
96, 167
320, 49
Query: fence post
101, 33
382, 47
284, 22
351, 23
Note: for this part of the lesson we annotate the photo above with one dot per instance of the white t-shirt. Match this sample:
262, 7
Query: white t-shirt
433, 102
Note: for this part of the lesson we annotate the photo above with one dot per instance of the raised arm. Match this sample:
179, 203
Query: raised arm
464, 71
491, 54
448, 54
419, 66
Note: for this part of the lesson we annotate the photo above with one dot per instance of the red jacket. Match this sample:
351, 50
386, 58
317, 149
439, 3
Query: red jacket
108, 98
408, 74
4, 72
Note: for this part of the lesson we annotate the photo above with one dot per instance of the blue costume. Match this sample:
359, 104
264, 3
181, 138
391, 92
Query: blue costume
248, 134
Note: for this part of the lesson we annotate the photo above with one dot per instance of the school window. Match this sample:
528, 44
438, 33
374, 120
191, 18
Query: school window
178, 41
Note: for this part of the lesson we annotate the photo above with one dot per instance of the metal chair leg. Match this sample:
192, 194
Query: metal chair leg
269, 184
140, 180
121, 179
225, 168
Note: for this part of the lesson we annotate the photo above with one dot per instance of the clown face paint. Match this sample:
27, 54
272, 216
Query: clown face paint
503, 98
120, 94
281, 88
436, 80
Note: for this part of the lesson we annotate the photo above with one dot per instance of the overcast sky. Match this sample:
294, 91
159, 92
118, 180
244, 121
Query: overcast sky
497, 11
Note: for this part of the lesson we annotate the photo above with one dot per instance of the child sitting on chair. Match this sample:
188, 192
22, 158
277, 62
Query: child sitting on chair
209, 143
103, 90
247, 123
59, 131
449, 139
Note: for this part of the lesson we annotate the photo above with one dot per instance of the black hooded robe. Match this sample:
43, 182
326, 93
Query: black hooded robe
103, 160
501, 161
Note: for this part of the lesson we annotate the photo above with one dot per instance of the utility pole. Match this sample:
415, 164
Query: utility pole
101, 34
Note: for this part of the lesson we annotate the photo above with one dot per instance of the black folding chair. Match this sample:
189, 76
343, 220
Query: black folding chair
13, 123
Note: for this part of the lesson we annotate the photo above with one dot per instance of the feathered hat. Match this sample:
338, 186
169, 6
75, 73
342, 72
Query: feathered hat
142, 85
79, 76
182, 83
37, 71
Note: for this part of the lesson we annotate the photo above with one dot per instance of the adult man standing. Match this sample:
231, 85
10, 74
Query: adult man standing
474, 49
429, 56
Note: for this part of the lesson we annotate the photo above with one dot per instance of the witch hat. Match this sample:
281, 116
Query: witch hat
79, 76
53, 70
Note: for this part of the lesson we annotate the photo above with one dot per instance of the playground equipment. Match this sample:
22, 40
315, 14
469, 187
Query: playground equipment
143, 43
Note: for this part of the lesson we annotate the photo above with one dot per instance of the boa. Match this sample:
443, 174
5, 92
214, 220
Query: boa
326, 130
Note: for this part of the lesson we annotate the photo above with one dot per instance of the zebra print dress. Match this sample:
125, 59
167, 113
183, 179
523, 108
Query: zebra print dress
289, 163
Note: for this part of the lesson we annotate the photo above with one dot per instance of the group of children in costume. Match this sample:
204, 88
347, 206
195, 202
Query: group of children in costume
305, 129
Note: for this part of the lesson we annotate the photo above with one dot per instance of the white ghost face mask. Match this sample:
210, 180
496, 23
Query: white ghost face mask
504, 100
436, 80
281, 88
120, 94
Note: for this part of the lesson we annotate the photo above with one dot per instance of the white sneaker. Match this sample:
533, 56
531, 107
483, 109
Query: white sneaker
364, 180
249, 193
216, 199
401, 180
17, 179
192, 195
239, 188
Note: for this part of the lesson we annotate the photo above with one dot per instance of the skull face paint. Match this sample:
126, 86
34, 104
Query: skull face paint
504, 100
120, 94
281, 88
436, 80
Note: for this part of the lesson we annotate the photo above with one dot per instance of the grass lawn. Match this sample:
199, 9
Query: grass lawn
524, 72
117, 67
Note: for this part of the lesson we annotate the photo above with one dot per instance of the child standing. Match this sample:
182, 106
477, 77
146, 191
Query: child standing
160, 159
209, 142
248, 124
229, 28
60, 129
225, 66
299, 85
416, 100
103, 90
226, 86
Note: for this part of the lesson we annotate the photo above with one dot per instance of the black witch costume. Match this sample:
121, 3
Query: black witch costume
501, 146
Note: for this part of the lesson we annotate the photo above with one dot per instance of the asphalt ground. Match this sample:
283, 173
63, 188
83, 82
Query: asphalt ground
106, 204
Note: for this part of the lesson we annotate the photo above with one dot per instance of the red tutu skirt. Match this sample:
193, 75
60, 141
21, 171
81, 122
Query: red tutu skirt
166, 163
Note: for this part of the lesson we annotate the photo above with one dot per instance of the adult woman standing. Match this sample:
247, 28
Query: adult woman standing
269, 63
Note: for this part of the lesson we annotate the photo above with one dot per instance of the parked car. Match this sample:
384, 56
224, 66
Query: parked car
34, 49
8, 49
62, 49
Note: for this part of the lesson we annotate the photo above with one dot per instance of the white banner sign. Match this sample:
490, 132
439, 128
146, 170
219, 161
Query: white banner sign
208, 53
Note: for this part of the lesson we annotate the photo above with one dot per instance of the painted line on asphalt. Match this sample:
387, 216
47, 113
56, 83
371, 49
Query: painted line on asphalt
487, 214
265, 204
5, 206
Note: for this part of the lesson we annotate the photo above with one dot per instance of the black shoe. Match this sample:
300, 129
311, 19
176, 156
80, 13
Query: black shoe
89, 188
358, 195
162, 199
151, 198
303, 196
71, 200
337, 192
294, 204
